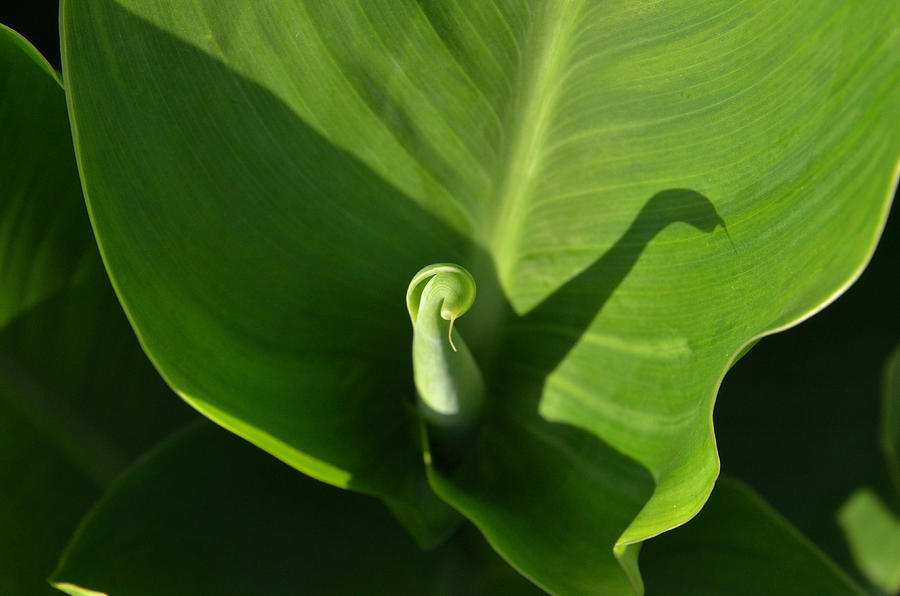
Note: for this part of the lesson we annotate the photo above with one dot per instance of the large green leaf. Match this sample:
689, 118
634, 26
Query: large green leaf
739, 545
298, 355
265, 179
78, 398
207, 513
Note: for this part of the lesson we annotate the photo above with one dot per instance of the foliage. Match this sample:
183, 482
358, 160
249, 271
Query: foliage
639, 195
78, 398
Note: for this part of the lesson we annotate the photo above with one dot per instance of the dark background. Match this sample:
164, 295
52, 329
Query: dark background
37, 21
797, 417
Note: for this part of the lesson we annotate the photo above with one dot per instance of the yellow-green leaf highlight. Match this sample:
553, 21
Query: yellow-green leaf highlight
670, 182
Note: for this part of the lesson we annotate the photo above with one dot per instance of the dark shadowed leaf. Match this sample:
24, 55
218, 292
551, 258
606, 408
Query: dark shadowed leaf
737, 546
207, 513
78, 398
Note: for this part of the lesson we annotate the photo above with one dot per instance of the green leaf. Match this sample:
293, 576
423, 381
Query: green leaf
312, 337
739, 545
873, 532
552, 500
43, 495
270, 178
78, 398
206, 513
37, 161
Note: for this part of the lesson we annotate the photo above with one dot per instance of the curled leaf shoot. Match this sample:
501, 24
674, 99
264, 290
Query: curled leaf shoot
448, 381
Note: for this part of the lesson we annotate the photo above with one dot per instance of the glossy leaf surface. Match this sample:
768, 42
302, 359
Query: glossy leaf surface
78, 398
638, 193
207, 513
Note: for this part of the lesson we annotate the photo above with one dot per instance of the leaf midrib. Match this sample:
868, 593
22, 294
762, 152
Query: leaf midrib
535, 93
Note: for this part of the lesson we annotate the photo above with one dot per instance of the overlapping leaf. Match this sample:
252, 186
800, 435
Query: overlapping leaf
639, 191
739, 545
207, 513
78, 399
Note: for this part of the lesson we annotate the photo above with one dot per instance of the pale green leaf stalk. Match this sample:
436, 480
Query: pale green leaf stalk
448, 381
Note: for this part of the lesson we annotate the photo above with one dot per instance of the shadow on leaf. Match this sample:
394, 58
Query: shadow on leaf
265, 269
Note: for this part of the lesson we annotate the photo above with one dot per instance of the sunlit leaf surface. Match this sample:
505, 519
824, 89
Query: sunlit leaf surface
638, 190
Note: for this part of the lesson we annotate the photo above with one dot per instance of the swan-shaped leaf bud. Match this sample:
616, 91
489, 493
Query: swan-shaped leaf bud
448, 381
